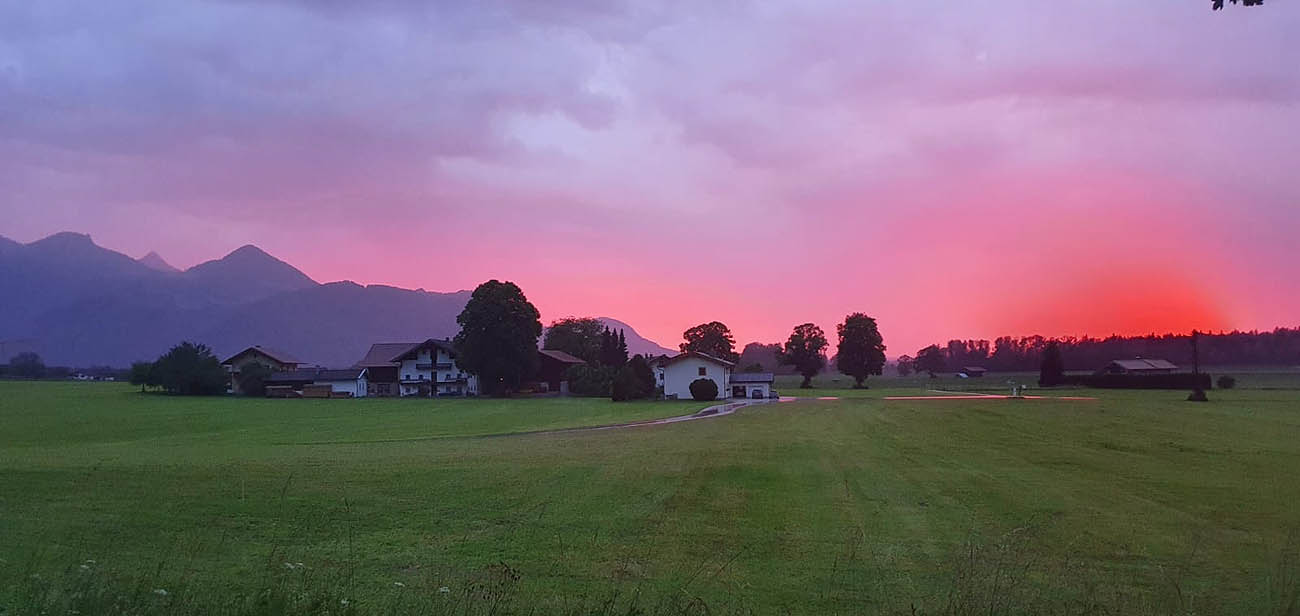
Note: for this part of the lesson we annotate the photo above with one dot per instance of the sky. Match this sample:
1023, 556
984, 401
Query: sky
954, 169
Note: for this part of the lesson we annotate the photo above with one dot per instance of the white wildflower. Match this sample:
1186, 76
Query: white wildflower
343, 602
399, 584
90, 561
444, 590
85, 567
161, 592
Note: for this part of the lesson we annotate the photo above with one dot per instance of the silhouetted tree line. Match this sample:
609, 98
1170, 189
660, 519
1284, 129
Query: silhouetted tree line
1279, 347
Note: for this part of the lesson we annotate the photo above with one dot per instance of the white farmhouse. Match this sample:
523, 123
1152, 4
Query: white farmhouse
429, 369
675, 374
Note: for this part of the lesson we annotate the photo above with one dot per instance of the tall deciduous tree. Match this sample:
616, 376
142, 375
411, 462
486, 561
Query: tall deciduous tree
861, 351
498, 335
142, 374
577, 336
930, 360
806, 351
1052, 371
905, 363
190, 369
712, 338
27, 365
1218, 4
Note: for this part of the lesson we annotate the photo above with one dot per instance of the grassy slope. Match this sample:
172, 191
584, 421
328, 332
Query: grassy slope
811, 506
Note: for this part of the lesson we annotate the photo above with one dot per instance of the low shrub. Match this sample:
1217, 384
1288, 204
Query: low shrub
704, 390
1226, 382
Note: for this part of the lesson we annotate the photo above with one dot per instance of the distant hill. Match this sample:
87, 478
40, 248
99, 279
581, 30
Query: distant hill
155, 261
79, 304
636, 343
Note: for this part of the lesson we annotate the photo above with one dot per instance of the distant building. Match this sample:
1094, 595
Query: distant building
554, 367
276, 361
344, 383
973, 372
756, 385
1139, 366
424, 369
675, 374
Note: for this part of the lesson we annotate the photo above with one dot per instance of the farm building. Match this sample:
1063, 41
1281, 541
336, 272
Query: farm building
276, 361
553, 369
1139, 366
973, 372
423, 369
348, 382
675, 374
755, 385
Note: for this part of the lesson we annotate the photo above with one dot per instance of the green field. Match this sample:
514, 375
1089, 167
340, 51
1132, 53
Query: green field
1137, 502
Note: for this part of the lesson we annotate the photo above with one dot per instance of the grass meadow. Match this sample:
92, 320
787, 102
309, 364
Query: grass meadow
1138, 502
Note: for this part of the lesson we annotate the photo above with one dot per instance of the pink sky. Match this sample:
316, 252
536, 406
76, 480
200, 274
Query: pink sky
1018, 167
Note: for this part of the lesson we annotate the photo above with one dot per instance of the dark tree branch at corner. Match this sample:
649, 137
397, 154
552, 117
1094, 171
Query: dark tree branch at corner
1218, 4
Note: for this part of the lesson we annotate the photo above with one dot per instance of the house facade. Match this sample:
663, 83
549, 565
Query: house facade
276, 361
346, 383
425, 369
675, 374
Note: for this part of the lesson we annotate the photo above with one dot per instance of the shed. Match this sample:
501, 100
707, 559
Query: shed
554, 367
756, 385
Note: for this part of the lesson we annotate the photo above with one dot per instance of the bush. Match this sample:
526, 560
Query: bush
27, 366
590, 380
634, 381
190, 370
704, 390
252, 379
1226, 382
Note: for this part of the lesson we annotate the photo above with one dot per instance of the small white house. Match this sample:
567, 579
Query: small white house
349, 381
675, 374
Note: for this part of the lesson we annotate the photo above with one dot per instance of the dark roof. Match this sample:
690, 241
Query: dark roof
309, 375
1140, 364
698, 355
382, 374
382, 353
561, 356
279, 356
345, 374
752, 377
974, 369
301, 375
432, 343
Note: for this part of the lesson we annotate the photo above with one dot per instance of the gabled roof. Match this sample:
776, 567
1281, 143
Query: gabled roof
382, 353
1144, 364
561, 356
345, 374
697, 355
301, 375
308, 375
432, 344
753, 377
279, 356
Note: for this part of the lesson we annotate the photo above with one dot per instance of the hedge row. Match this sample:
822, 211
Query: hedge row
1183, 380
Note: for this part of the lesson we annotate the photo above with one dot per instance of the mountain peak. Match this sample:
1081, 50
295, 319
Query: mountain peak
155, 261
248, 251
65, 239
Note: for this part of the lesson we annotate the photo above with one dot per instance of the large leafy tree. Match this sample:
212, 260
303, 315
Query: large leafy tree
142, 374
806, 351
930, 360
190, 369
905, 363
1052, 372
712, 338
577, 336
861, 351
1218, 4
634, 381
27, 365
499, 329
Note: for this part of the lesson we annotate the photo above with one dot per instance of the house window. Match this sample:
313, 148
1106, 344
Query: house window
408, 377
704, 371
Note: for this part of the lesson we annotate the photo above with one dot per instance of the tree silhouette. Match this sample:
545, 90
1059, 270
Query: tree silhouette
805, 350
1218, 4
712, 338
498, 335
861, 351
1052, 371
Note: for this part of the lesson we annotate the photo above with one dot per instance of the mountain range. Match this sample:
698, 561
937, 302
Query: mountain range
79, 304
